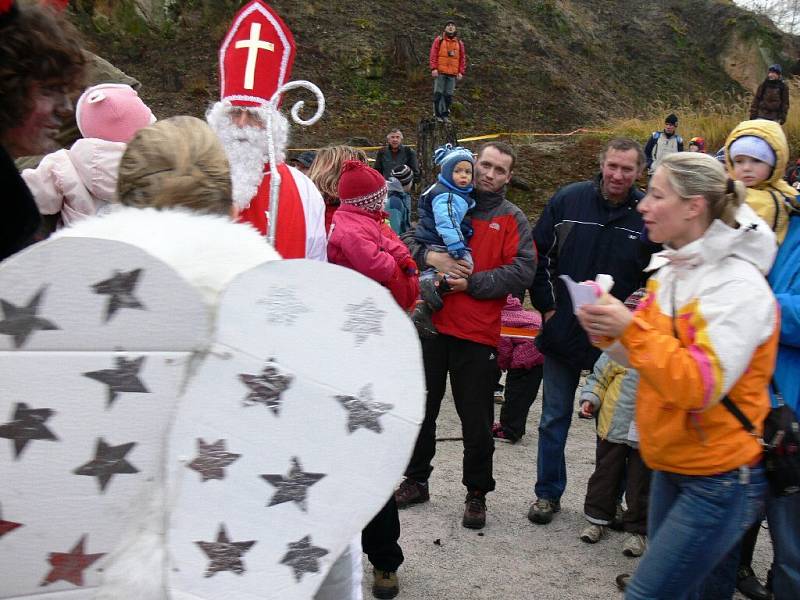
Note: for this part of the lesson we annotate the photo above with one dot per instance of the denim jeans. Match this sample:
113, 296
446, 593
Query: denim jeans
783, 516
558, 404
693, 523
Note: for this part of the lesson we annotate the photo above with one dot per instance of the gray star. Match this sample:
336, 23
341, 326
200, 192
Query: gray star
303, 557
120, 289
294, 486
27, 424
363, 411
267, 387
125, 378
21, 321
283, 307
225, 555
364, 320
107, 462
212, 459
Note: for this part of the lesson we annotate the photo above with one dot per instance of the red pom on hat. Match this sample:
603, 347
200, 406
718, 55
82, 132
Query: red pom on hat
362, 186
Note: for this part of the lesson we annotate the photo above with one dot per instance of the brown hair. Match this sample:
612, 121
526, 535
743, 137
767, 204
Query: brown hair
178, 162
697, 174
503, 148
37, 46
327, 167
623, 145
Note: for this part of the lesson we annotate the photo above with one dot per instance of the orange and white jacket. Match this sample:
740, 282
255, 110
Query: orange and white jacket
728, 325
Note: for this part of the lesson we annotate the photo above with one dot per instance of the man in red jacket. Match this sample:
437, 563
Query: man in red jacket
469, 329
448, 61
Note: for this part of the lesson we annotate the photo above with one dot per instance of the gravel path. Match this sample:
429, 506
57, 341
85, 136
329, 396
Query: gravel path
511, 557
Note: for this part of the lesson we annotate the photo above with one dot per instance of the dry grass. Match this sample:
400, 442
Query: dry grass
712, 120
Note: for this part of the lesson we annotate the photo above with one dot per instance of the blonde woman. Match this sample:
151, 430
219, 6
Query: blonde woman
325, 172
707, 330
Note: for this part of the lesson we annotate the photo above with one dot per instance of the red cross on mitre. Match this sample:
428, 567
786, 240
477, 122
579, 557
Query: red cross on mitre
256, 56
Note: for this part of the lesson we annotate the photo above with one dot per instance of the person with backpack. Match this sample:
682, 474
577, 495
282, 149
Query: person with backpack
663, 143
448, 62
771, 101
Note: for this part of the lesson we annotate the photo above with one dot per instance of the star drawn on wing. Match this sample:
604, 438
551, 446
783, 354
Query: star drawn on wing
69, 566
27, 424
7, 526
119, 288
267, 387
362, 411
303, 557
225, 555
283, 306
108, 461
212, 459
124, 378
364, 320
21, 321
294, 486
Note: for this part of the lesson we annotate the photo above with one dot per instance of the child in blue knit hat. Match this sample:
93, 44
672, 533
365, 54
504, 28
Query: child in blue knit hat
443, 226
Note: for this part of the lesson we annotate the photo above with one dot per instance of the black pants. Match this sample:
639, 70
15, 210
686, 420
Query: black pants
522, 387
379, 539
602, 492
749, 545
472, 368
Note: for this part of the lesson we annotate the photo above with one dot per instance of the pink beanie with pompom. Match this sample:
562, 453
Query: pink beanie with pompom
112, 112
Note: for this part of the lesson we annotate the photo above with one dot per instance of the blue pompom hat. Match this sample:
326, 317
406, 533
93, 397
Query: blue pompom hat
447, 157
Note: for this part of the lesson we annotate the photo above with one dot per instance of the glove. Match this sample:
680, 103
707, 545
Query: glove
408, 266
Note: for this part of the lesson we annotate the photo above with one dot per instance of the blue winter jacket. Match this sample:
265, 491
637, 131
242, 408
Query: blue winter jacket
441, 212
580, 234
785, 281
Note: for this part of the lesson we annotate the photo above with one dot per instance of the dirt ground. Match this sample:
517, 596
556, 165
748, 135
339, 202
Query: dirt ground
511, 557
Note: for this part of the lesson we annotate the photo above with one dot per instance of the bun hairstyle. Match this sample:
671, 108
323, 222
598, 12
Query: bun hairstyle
695, 174
178, 162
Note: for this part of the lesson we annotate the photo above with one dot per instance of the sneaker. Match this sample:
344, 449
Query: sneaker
422, 318
634, 545
429, 292
622, 581
475, 510
411, 492
500, 434
542, 511
749, 585
593, 533
385, 584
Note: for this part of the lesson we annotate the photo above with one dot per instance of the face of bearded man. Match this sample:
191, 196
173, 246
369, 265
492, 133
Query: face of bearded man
244, 136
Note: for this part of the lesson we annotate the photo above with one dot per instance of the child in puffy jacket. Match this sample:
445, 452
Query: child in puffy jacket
359, 238
524, 365
610, 394
79, 182
442, 226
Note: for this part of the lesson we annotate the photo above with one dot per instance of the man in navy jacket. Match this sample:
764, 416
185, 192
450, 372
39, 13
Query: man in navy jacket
587, 228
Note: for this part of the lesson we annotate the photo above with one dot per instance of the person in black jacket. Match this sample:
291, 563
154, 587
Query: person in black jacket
40, 62
587, 228
394, 154
772, 97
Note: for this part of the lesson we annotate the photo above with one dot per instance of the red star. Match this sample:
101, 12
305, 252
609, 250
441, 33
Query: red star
7, 526
69, 566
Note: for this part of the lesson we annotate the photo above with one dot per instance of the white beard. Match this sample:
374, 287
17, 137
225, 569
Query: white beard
247, 148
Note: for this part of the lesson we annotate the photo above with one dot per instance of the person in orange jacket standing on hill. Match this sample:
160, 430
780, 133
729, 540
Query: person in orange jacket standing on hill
448, 61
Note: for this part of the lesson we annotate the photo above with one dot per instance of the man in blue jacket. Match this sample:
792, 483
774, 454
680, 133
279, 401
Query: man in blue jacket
587, 228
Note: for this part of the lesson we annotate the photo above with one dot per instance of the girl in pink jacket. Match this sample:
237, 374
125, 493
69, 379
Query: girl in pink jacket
360, 240
81, 181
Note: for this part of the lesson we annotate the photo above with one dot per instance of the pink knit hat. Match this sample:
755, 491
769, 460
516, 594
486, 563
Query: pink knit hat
112, 112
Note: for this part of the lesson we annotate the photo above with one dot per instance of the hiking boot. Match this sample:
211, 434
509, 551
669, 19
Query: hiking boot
411, 492
622, 581
385, 584
501, 435
749, 585
542, 511
423, 321
593, 533
634, 545
475, 510
429, 291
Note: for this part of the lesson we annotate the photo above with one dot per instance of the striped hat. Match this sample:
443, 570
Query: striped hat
362, 186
